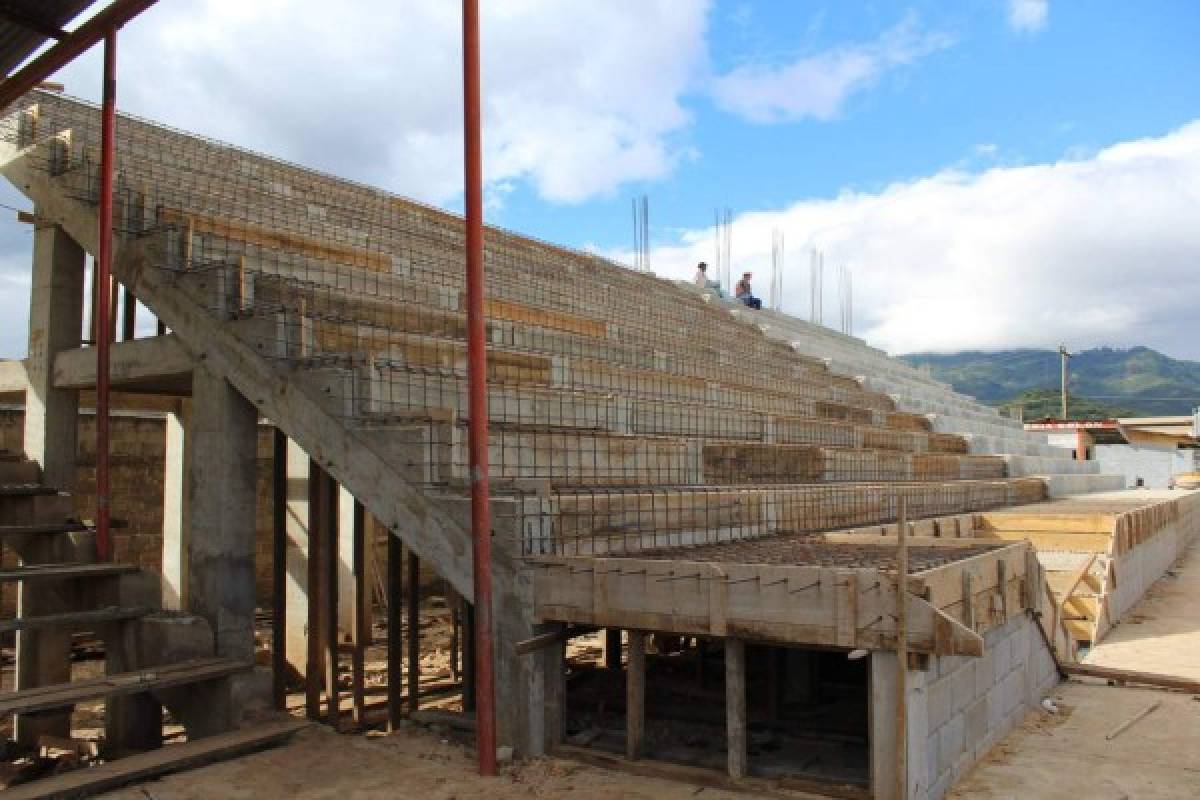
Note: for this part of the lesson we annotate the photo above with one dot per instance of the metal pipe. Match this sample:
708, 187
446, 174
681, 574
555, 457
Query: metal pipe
481, 523
68, 49
108, 117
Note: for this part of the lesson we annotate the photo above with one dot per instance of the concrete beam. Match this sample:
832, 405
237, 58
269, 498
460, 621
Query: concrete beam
155, 365
14, 378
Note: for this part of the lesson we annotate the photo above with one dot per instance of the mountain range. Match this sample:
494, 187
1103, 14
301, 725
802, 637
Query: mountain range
1114, 382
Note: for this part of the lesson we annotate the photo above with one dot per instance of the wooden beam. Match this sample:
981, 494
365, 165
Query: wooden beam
544, 640
1120, 676
635, 697
316, 529
361, 633
330, 563
395, 638
902, 647
414, 631
279, 575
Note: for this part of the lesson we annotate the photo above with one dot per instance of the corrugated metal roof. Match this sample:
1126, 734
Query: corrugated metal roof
19, 23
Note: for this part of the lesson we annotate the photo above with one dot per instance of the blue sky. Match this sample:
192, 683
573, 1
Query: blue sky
1096, 74
994, 173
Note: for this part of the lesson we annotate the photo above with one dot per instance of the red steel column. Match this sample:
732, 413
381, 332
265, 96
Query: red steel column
104, 297
481, 518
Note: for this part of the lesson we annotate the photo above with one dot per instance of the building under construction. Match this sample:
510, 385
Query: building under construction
806, 561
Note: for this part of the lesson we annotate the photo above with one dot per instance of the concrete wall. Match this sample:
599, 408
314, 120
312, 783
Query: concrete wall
970, 704
1154, 465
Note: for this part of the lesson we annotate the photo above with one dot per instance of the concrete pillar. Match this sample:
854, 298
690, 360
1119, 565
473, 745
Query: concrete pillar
736, 722
51, 424
883, 739
175, 542
635, 697
221, 505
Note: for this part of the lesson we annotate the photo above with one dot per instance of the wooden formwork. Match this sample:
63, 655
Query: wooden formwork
957, 591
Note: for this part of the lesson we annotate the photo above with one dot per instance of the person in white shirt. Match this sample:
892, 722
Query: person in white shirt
701, 279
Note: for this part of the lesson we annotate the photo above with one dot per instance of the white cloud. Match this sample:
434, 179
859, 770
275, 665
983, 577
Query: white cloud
1088, 252
818, 85
1028, 16
579, 98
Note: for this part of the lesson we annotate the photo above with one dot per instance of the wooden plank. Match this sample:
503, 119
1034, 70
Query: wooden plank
142, 766
1122, 676
63, 695
1062, 523
63, 571
77, 620
1073, 542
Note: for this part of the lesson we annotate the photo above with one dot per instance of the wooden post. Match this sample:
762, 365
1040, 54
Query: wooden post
128, 315
414, 632
330, 564
279, 571
312, 669
902, 650
468, 670
612, 648
395, 638
635, 696
736, 738
362, 611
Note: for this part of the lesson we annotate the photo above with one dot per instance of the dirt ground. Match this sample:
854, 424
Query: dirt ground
1068, 756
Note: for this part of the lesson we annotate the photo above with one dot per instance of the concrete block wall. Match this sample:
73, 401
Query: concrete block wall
970, 704
138, 452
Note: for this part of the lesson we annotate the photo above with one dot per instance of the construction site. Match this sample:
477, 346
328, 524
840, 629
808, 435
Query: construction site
381, 474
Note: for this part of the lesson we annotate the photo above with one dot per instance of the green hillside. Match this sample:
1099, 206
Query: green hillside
1042, 403
1138, 380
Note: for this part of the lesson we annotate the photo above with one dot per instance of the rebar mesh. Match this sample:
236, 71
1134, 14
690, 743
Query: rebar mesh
626, 413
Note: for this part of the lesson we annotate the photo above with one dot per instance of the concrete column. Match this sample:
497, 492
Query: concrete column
736, 722
51, 424
175, 518
635, 697
884, 745
221, 505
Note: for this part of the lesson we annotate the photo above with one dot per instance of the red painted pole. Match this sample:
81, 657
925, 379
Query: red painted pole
481, 517
108, 117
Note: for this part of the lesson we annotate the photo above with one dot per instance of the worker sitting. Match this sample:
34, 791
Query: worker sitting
702, 280
743, 293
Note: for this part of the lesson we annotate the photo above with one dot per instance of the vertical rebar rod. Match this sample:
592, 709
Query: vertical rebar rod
108, 125
481, 524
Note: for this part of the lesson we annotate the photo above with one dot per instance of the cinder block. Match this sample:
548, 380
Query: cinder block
950, 743
976, 722
940, 702
985, 675
964, 686
1001, 660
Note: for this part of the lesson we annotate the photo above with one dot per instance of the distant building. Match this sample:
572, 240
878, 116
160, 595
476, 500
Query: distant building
1148, 451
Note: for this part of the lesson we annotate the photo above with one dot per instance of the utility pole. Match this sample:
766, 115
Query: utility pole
1065, 356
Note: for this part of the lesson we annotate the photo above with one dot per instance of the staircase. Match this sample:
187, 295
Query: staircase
112, 601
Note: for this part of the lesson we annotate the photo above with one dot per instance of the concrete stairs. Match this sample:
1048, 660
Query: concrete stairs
949, 412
